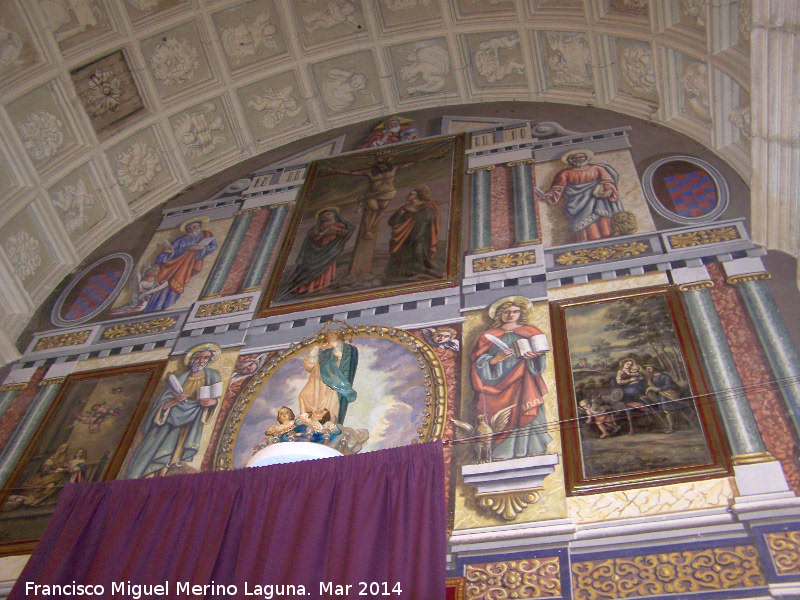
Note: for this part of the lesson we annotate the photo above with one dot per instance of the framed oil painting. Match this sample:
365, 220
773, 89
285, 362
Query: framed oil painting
632, 393
371, 224
83, 437
392, 392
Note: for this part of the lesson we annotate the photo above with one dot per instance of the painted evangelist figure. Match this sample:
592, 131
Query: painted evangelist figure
508, 383
181, 259
590, 195
173, 427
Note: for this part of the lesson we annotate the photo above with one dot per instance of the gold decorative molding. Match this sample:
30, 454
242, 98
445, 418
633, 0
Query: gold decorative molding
482, 250
504, 261
751, 458
745, 277
138, 328
532, 242
507, 505
703, 237
601, 253
527, 578
52, 381
644, 502
690, 571
696, 285
76, 338
784, 547
223, 308
244, 211
527, 161
209, 297
255, 288
484, 168
12, 387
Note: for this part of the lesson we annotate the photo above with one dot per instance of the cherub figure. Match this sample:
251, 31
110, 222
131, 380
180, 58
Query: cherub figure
284, 428
97, 414
598, 413
336, 12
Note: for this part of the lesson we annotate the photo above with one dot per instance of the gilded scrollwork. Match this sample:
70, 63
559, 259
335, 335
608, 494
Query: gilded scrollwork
75, 338
691, 571
504, 261
784, 547
527, 578
704, 237
12, 387
225, 307
508, 505
138, 328
614, 252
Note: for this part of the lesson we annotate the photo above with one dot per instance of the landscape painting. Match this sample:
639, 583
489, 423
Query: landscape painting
377, 222
83, 437
632, 392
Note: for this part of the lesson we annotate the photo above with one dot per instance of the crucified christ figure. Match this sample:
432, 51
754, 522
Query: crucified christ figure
381, 191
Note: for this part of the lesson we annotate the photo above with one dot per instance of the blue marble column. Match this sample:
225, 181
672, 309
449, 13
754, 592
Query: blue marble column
7, 397
228, 253
22, 434
526, 231
481, 218
732, 403
774, 338
266, 248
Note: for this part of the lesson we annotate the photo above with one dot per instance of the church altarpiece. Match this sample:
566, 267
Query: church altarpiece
516, 379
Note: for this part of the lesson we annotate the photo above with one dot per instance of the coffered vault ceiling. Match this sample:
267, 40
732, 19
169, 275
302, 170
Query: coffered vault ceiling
110, 107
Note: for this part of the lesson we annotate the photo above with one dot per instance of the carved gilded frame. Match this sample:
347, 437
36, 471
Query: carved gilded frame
575, 437
431, 425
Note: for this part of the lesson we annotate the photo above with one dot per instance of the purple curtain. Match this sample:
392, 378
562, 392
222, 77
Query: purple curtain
374, 521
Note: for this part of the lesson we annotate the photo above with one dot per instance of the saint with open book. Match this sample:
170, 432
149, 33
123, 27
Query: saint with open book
507, 365
174, 425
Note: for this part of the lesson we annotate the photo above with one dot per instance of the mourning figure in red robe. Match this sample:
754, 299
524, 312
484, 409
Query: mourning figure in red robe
415, 233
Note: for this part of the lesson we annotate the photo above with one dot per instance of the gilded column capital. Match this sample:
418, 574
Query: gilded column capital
13, 387
484, 168
745, 277
751, 458
52, 381
526, 161
244, 211
696, 285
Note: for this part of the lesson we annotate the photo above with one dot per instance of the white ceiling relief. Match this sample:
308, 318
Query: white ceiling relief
219, 81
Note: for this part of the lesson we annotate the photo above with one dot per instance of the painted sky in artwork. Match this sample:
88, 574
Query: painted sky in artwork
390, 400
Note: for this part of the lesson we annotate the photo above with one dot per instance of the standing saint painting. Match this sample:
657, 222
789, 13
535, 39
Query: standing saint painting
590, 195
332, 369
315, 268
181, 260
173, 428
509, 387
415, 233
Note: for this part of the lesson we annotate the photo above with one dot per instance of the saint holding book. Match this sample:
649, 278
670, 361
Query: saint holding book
507, 365
174, 426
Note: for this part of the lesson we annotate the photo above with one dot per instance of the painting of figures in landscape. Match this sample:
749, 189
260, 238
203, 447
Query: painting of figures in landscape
373, 221
365, 391
636, 395
84, 438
